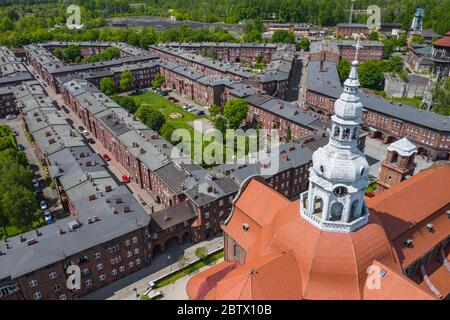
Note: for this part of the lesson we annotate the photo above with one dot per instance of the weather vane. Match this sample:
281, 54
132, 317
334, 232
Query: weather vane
357, 46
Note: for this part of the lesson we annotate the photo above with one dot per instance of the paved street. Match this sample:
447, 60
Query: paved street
123, 289
51, 195
304, 74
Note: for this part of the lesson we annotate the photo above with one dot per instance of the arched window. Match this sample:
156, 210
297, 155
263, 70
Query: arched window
394, 157
346, 133
353, 213
337, 131
336, 211
318, 205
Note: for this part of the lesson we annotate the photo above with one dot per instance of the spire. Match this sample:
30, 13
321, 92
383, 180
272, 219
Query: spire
339, 175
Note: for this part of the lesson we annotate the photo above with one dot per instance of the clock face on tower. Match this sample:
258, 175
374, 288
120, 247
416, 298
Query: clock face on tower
340, 191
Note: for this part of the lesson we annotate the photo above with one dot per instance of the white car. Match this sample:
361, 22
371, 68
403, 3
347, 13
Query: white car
11, 116
85, 132
43, 204
192, 109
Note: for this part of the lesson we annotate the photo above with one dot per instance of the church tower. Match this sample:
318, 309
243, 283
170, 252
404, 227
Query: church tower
339, 175
399, 164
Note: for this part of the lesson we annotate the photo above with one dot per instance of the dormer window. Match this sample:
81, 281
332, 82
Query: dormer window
245, 227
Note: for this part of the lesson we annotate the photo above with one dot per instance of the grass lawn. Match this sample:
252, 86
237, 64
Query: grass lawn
166, 107
411, 101
189, 269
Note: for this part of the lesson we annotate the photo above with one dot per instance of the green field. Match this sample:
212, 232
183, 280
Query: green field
166, 107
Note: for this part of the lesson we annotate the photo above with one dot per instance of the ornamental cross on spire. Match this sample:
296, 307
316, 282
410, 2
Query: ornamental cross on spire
357, 46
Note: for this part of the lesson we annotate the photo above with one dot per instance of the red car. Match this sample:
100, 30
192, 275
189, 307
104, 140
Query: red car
175, 100
106, 157
125, 179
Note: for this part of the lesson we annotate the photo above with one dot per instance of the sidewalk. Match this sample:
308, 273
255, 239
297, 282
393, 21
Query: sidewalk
163, 264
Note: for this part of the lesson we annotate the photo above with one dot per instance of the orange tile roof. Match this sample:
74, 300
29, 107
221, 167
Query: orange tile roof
271, 277
200, 284
438, 275
323, 265
392, 286
412, 201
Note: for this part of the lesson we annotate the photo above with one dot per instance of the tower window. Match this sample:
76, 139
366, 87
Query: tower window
337, 130
346, 133
322, 169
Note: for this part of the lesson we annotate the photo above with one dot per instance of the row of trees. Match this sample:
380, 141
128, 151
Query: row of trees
18, 206
107, 54
322, 12
371, 72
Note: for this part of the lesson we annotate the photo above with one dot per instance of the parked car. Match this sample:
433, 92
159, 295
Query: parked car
15, 133
48, 217
11, 116
85, 132
192, 109
200, 112
65, 109
91, 141
43, 204
187, 107
170, 98
106, 157
35, 183
20, 147
175, 100
80, 128
125, 179
164, 93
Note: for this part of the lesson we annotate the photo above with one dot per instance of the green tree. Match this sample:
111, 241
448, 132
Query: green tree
166, 131
150, 117
58, 53
158, 81
72, 53
417, 38
220, 123
395, 64
389, 47
283, 36
235, 111
304, 44
252, 36
344, 69
288, 134
6, 24
441, 97
19, 205
371, 74
125, 102
373, 36
201, 252
108, 86
126, 80
214, 110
